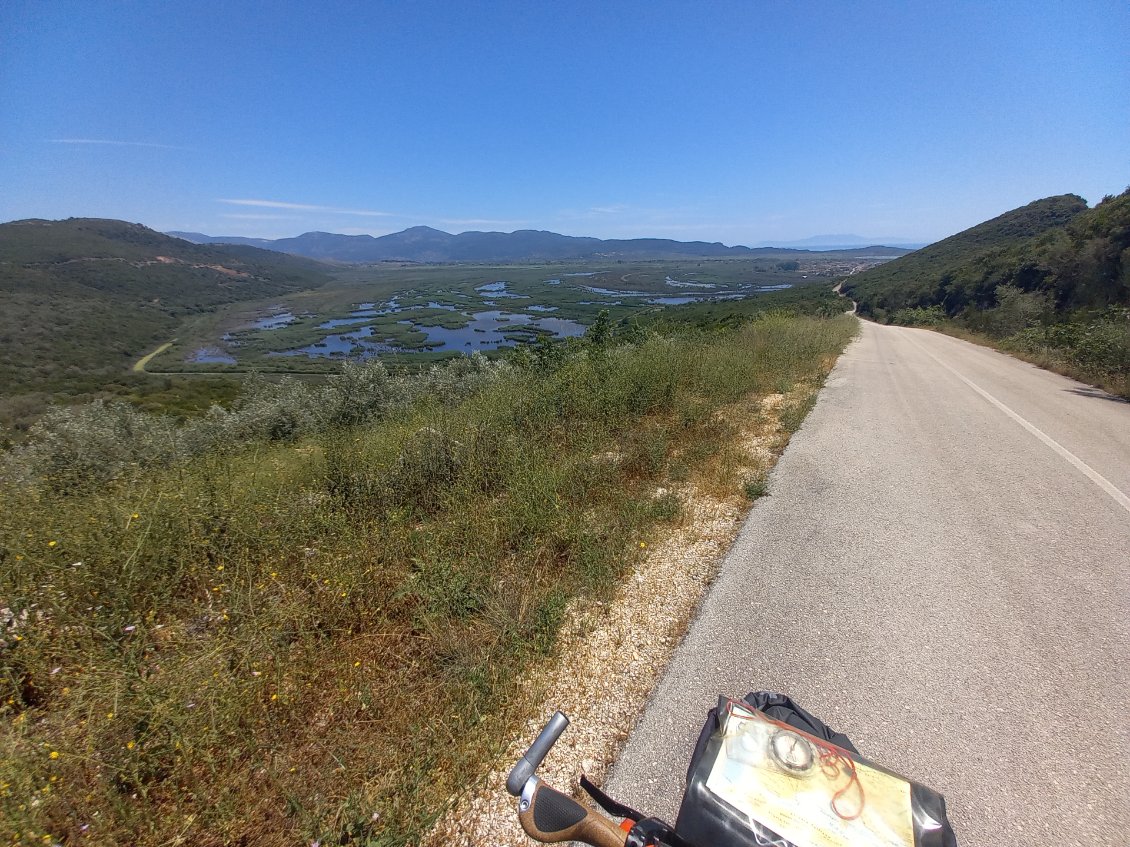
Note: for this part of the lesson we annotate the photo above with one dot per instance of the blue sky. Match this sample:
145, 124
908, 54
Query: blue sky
737, 122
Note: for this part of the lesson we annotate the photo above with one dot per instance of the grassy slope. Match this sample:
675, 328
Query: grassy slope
271, 644
961, 270
81, 299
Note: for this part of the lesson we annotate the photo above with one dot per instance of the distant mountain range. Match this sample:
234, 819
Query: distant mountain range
425, 244
842, 242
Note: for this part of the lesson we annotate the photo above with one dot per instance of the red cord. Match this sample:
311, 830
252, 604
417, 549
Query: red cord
832, 763
833, 760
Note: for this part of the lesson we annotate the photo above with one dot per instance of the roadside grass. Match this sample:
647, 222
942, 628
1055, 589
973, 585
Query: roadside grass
319, 638
1097, 353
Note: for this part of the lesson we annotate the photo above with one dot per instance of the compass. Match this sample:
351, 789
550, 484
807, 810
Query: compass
792, 752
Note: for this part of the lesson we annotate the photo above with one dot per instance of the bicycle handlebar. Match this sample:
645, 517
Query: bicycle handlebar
524, 769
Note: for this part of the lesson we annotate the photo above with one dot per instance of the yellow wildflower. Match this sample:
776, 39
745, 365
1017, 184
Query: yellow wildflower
52, 543
54, 754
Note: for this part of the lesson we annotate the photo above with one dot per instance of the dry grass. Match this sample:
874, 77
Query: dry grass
610, 653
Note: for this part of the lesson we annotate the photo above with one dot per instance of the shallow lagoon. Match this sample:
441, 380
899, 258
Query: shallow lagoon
353, 344
488, 331
275, 321
211, 356
498, 289
675, 283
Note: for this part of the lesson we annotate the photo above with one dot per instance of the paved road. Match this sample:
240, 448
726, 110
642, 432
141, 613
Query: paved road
942, 572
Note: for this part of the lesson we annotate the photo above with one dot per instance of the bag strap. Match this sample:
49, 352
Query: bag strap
613, 807
645, 832
652, 832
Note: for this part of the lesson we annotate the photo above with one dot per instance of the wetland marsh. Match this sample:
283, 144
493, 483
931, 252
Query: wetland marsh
419, 313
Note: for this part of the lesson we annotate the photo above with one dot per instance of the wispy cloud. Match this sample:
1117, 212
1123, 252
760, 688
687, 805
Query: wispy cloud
111, 143
304, 207
245, 217
627, 212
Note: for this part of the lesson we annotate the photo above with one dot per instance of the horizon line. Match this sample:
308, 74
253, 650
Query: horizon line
782, 244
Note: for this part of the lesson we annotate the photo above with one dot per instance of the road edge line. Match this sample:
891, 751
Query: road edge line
1097, 478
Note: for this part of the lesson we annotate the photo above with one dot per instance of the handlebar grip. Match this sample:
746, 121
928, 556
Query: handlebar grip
553, 817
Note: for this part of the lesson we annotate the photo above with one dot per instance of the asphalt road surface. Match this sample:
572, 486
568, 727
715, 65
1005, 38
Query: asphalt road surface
942, 571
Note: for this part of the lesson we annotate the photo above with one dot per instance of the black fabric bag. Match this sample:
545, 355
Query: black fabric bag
706, 820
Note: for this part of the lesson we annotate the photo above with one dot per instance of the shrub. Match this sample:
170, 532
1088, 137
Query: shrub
76, 447
919, 316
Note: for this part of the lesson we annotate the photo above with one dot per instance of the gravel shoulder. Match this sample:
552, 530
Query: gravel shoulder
938, 582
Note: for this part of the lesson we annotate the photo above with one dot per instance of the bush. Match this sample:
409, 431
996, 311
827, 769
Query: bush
1099, 347
76, 447
919, 316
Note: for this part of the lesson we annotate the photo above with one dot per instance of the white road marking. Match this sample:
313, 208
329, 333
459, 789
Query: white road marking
1097, 478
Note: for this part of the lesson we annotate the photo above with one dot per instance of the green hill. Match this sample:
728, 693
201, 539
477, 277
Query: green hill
964, 269
1050, 280
81, 299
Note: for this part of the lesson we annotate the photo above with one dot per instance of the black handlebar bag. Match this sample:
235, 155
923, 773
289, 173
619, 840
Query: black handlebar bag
766, 773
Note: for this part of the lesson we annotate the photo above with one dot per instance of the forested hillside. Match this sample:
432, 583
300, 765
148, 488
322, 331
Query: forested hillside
80, 299
1050, 280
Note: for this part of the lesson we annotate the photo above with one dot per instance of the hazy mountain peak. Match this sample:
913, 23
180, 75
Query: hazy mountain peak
427, 244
